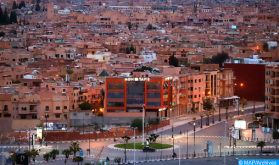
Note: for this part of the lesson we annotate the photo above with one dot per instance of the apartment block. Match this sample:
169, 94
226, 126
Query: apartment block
272, 95
125, 97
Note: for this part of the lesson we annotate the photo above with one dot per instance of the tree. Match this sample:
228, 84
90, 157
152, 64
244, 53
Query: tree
150, 27
2, 34
66, 153
78, 159
129, 24
265, 47
275, 134
137, 123
261, 144
85, 106
53, 153
117, 160
173, 61
243, 103
46, 156
152, 138
1, 16
126, 140
6, 19
14, 5
207, 104
220, 58
74, 148
37, 7
32, 154
130, 49
13, 17
13, 157
21, 4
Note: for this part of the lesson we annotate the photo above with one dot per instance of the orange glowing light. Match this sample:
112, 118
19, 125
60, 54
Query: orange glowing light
241, 84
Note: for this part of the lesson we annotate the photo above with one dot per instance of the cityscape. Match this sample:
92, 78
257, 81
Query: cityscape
100, 82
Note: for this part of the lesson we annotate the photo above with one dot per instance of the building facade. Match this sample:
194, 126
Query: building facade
127, 97
272, 95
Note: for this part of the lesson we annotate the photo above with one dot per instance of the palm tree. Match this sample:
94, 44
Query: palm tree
67, 153
117, 160
126, 139
53, 153
78, 159
74, 148
243, 103
32, 154
13, 157
46, 156
261, 144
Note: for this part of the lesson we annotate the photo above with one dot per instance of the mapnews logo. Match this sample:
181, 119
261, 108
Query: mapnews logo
258, 162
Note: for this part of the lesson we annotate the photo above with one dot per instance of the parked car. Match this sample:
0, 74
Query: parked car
148, 149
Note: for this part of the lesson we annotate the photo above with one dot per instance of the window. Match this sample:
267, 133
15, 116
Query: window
115, 95
115, 104
152, 85
57, 107
115, 110
153, 95
65, 107
57, 115
114, 85
154, 104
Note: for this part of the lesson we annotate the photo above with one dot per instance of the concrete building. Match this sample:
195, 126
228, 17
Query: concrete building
272, 95
125, 97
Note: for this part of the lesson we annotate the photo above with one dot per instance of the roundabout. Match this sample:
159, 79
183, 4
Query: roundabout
140, 146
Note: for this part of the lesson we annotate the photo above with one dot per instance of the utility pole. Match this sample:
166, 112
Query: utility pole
143, 114
187, 145
225, 141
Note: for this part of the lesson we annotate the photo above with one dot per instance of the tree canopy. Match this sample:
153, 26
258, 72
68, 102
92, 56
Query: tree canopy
137, 123
173, 61
207, 104
85, 106
220, 58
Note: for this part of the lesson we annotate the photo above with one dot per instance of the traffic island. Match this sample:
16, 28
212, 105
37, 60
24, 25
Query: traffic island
140, 146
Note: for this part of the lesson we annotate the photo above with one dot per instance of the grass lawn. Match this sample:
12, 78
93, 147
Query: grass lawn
139, 146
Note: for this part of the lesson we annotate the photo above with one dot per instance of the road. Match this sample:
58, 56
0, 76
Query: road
189, 126
214, 133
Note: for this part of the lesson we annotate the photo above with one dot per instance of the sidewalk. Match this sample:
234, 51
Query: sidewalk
181, 120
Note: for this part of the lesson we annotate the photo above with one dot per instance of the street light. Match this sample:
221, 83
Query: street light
194, 124
143, 114
173, 153
187, 145
219, 111
134, 129
201, 120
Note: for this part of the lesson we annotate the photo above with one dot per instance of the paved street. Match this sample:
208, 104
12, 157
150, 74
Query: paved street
212, 161
213, 133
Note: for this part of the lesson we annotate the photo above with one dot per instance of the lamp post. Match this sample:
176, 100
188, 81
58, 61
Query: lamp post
89, 143
201, 120
194, 124
213, 120
45, 132
173, 153
219, 111
227, 108
134, 129
187, 145
143, 114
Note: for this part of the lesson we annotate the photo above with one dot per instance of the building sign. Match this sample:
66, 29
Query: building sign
240, 124
137, 79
